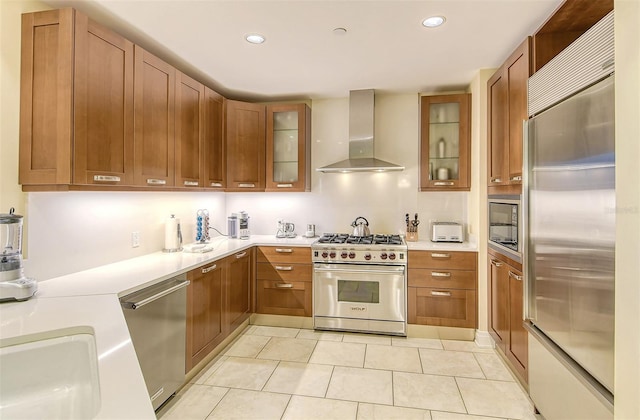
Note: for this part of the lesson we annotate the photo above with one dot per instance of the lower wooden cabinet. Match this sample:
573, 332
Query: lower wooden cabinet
442, 288
506, 320
239, 288
284, 276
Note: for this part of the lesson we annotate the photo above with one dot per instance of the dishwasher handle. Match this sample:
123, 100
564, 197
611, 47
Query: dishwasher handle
162, 293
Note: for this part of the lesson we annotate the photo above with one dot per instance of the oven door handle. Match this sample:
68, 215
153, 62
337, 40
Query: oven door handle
398, 270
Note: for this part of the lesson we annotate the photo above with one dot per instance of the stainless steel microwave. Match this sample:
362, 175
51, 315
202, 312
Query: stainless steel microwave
505, 225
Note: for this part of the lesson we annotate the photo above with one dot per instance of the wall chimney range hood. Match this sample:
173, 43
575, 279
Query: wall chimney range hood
361, 126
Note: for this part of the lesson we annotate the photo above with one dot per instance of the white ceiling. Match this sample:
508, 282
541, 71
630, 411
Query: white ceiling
385, 48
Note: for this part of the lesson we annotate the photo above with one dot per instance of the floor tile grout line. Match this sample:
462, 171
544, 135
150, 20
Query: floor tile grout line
326, 391
461, 396
285, 407
218, 403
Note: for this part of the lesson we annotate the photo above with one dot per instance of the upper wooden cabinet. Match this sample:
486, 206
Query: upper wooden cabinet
245, 146
288, 152
155, 83
445, 142
189, 132
76, 112
215, 165
507, 111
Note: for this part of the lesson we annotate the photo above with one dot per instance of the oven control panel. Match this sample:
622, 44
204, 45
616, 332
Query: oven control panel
378, 256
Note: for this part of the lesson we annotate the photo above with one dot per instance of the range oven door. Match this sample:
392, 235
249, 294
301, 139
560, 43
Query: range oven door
360, 291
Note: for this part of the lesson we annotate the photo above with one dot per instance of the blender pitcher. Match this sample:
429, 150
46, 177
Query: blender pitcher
13, 284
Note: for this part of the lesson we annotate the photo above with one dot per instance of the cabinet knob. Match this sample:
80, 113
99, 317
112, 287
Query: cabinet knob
284, 285
106, 178
191, 183
516, 178
246, 185
443, 184
281, 268
496, 263
435, 293
515, 276
210, 268
440, 274
216, 184
284, 185
284, 250
496, 180
241, 254
440, 255
153, 181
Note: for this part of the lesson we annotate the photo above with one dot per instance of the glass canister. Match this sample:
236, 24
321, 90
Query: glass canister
10, 241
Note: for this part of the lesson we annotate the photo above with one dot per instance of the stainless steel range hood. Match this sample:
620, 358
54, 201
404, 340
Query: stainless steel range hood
361, 126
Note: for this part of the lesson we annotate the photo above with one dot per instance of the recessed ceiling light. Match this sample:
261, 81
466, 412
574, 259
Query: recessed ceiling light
255, 38
433, 21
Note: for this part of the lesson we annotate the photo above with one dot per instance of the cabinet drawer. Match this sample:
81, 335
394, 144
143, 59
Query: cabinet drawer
450, 279
452, 260
285, 254
442, 307
284, 272
284, 298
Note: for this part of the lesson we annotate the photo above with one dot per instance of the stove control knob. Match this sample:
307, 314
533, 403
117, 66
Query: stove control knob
383, 256
332, 255
392, 256
352, 255
325, 254
367, 256
344, 254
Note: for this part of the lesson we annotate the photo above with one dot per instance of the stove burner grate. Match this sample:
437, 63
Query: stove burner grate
343, 238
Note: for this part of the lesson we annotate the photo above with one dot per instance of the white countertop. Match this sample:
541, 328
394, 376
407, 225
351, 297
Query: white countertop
442, 246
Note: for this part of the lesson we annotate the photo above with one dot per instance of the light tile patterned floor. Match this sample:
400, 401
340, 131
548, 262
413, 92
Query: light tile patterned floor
288, 373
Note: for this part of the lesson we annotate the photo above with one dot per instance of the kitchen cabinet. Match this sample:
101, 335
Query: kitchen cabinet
76, 110
506, 319
442, 288
215, 165
507, 111
239, 288
205, 312
288, 152
154, 114
284, 276
189, 132
245, 146
445, 142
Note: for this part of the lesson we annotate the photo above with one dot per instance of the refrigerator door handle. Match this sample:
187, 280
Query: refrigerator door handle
526, 310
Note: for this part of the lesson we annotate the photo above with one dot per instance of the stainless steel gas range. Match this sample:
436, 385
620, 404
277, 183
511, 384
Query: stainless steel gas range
360, 283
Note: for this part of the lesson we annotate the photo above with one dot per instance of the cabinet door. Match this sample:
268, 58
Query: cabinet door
189, 151
154, 113
288, 148
291, 298
445, 142
442, 307
518, 339
103, 106
518, 72
245, 146
46, 89
215, 164
284, 254
497, 128
499, 302
239, 288
205, 323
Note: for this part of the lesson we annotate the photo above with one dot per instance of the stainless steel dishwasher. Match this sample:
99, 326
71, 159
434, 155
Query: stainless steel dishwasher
156, 317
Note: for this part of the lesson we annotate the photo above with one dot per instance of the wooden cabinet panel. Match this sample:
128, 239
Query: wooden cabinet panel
499, 302
189, 129
205, 305
497, 109
215, 165
103, 106
154, 113
450, 279
245, 145
46, 89
239, 288
452, 260
288, 150
518, 339
518, 74
284, 272
448, 308
284, 254
284, 297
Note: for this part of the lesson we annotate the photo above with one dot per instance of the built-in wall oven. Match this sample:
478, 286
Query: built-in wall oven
505, 225
360, 285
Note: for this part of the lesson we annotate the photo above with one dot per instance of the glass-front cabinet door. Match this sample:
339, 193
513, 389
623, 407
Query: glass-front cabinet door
445, 142
288, 147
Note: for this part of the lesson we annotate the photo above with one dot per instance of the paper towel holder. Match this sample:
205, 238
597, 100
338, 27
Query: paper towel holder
172, 235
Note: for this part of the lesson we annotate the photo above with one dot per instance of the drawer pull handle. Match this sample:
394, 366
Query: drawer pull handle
106, 178
216, 184
284, 185
433, 293
443, 184
515, 276
496, 180
284, 250
246, 185
153, 181
210, 268
515, 178
438, 255
191, 183
284, 285
281, 268
496, 263
440, 274
242, 254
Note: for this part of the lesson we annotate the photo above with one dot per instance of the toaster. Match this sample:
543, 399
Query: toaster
446, 232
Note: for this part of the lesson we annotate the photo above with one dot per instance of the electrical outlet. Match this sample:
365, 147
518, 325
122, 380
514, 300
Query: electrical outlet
135, 239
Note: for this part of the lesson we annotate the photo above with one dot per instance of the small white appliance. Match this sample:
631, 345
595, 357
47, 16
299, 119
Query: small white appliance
238, 225
13, 284
446, 232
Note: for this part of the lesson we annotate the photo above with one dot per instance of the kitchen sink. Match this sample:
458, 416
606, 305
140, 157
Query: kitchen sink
52, 375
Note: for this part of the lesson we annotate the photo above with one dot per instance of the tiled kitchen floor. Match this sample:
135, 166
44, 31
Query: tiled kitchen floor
288, 373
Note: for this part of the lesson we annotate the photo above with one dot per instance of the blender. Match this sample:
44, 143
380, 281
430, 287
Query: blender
13, 284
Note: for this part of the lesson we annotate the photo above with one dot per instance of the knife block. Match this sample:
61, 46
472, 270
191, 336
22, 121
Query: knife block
412, 236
